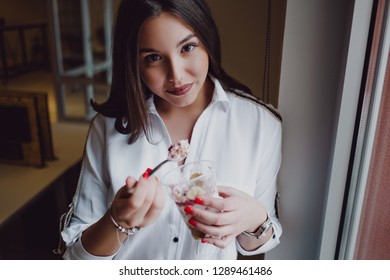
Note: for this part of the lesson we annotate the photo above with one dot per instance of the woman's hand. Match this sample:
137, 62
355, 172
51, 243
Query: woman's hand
138, 203
230, 215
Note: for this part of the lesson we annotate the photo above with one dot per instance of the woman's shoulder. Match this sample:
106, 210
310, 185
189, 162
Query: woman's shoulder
101, 123
246, 103
101, 120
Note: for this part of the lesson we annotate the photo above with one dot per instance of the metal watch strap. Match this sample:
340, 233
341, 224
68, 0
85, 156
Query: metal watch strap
261, 231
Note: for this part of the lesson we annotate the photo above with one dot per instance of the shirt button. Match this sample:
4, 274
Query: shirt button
175, 239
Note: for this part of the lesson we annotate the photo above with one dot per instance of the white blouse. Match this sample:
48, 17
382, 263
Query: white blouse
241, 135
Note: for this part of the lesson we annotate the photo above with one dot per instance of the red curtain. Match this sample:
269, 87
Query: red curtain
374, 231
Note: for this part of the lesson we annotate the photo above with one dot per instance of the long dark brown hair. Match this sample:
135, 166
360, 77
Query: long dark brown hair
126, 101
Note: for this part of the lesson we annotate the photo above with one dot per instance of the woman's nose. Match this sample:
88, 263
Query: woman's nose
175, 70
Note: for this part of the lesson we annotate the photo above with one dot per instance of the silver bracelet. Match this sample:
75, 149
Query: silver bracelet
127, 231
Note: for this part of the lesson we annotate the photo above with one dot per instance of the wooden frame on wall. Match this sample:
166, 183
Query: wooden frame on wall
25, 128
19, 143
44, 124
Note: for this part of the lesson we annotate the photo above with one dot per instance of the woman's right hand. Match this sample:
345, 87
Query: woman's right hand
138, 203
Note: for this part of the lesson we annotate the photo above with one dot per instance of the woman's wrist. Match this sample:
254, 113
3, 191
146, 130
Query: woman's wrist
102, 238
127, 231
259, 219
261, 231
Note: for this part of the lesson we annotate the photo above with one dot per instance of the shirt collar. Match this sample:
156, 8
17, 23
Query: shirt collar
219, 97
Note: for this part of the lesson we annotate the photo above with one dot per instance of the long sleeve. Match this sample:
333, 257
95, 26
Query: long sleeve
266, 184
90, 201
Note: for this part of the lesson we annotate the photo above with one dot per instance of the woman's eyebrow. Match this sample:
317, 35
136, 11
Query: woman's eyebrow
147, 50
185, 40
150, 50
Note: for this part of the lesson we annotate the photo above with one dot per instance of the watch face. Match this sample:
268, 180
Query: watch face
263, 229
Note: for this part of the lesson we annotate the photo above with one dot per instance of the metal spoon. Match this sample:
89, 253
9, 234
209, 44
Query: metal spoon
176, 152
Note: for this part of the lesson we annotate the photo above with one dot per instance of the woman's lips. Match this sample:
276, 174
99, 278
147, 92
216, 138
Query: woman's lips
180, 90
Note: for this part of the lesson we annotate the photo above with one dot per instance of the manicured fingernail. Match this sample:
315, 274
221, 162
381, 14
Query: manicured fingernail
199, 200
192, 222
146, 173
188, 209
204, 240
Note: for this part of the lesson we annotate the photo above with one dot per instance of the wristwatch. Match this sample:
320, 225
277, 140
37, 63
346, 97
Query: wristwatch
261, 231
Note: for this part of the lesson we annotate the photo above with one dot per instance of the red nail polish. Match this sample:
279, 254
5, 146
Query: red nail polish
192, 222
188, 209
199, 200
149, 170
204, 240
145, 175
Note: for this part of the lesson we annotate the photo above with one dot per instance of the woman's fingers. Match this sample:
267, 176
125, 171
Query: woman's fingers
227, 191
219, 242
142, 199
211, 216
224, 217
222, 203
215, 212
138, 203
156, 207
212, 230
143, 191
128, 188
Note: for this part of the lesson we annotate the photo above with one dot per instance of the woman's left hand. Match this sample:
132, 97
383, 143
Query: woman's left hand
230, 215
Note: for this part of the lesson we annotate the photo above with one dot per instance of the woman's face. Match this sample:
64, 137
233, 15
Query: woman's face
173, 62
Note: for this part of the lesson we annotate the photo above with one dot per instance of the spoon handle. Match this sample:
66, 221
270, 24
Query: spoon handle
131, 191
158, 167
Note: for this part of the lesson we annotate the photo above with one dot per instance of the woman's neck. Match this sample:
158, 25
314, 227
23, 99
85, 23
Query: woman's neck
202, 100
180, 121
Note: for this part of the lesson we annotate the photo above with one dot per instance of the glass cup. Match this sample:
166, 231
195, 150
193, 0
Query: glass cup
188, 181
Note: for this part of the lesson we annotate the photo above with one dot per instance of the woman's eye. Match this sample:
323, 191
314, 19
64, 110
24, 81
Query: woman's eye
189, 47
152, 58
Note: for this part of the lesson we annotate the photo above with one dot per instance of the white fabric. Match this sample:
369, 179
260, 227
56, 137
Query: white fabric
240, 136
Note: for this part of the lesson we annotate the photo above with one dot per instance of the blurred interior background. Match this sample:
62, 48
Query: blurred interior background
323, 64
60, 51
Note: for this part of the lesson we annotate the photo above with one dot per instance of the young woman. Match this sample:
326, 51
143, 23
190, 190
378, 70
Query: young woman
168, 85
